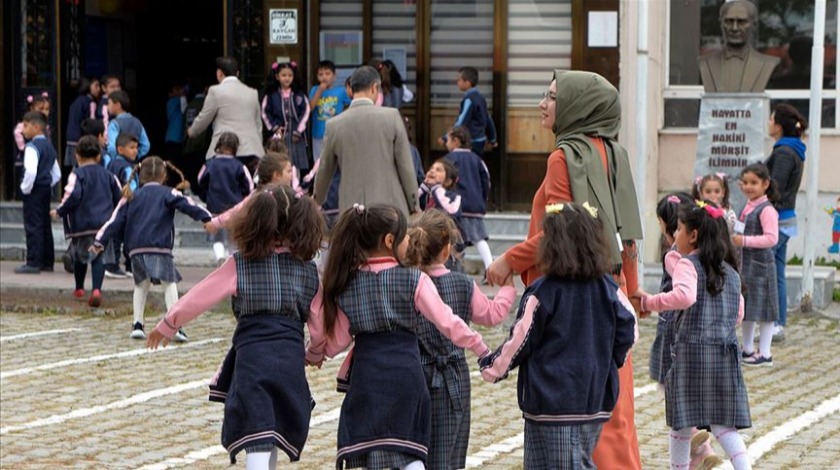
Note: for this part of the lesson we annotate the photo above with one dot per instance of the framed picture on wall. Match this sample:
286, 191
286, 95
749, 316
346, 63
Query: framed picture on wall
342, 47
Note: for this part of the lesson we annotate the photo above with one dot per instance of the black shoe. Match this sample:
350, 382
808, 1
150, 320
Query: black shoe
27, 269
67, 260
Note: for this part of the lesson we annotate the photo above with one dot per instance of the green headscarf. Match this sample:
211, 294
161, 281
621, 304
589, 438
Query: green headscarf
588, 105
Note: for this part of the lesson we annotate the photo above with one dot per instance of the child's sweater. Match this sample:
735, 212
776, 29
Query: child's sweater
292, 118
90, 196
223, 182
473, 181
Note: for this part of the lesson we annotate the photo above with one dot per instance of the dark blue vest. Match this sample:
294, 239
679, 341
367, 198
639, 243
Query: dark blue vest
46, 159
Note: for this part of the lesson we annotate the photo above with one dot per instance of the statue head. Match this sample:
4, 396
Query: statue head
737, 21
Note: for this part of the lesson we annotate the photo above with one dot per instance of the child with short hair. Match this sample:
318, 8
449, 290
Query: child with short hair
759, 236
370, 298
285, 112
473, 113
573, 332
145, 221
83, 107
223, 182
274, 288
122, 166
109, 84
705, 386
40, 174
124, 122
473, 184
328, 101
714, 187
40, 103
90, 196
431, 236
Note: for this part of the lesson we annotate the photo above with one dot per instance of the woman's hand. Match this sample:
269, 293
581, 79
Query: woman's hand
211, 228
156, 338
498, 271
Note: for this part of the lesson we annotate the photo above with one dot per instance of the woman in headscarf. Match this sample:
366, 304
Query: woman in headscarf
588, 165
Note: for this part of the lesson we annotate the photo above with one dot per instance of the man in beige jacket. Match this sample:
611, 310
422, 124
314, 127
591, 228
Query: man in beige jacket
369, 146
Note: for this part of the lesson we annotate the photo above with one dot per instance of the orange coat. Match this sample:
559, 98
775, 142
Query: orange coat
618, 447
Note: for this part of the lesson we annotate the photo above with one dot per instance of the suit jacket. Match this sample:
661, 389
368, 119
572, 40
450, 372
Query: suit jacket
757, 71
232, 106
370, 146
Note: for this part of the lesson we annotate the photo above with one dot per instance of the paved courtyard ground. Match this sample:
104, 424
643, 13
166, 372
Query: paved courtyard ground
76, 392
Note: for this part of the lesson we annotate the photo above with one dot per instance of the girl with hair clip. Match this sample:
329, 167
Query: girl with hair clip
274, 288
431, 236
704, 387
145, 221
714, 187
274, 168
285, 112
40, 103
223, 182
370, 298
573, 331
757, 234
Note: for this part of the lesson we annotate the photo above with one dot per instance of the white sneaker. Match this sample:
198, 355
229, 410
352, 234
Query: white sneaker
180, 336
137, 332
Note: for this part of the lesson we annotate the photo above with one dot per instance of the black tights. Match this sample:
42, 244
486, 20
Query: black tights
97, 271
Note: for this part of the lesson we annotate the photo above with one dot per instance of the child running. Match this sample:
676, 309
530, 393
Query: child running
713, 187
572, 333
223, 182
145, 221
285, 112
371, 299
704, 387
431, 235
760, 234
474, 188
273, 284
90, 196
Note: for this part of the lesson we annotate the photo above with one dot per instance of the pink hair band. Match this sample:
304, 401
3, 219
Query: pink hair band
673, 199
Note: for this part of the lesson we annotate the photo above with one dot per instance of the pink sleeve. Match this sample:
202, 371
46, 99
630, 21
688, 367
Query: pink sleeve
319, 344
429, 304
217, 286
770, 226
379, 99
20, 141
740, 308
682, 296
305, 119
671, 259
92, 110
222, 220
450, 206
264, 115
488, 312
505, 355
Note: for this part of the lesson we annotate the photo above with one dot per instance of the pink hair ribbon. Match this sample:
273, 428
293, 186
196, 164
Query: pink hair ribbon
673, 199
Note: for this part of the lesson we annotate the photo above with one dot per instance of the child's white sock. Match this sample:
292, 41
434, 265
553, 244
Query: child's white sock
766, 338
219, 250
416, 465
748, 329
170, 294
272, 461
484, 251
257, 460
140, 292
679, 446
734, 445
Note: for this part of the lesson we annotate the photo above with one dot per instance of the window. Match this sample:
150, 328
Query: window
784, 29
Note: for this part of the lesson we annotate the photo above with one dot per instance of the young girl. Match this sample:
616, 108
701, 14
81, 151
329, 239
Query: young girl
40, 103
223, 182
713, 187
90, 196
431, 235
145, 222
572, 333
83, 107
273, 284
704, 387
474, 188
757, 240
437, 192
285, 111
371, 299
274, 168
392, 84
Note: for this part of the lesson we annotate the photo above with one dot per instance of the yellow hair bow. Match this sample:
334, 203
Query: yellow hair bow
700, 204
554, 208
593, 211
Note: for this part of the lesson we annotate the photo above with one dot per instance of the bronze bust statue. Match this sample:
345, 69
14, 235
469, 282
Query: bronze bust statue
737, 68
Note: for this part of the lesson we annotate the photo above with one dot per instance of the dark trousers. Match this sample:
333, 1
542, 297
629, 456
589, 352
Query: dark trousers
250, 162
40, 251
478, 147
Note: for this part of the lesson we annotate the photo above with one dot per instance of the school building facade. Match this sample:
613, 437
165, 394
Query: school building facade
515, 45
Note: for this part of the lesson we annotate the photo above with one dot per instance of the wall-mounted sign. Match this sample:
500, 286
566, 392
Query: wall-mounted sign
283, 26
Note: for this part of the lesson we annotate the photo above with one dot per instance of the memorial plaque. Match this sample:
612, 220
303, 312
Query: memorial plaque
732, 134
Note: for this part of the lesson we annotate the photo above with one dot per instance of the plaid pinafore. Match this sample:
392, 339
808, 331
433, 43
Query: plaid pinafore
385, 418
758, 268
448, 377
705, 385
660, 350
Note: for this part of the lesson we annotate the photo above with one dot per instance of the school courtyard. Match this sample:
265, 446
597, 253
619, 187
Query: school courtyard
76, 392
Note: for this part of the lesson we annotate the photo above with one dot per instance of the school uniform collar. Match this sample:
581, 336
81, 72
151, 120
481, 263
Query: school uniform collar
223, 155
462, 150
281, 249
383, 262
437, 270
39, 136
758, 201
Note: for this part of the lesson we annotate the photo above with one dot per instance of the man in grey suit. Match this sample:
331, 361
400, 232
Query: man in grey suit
738, 68
232, 106
369, 145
